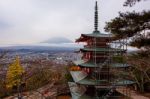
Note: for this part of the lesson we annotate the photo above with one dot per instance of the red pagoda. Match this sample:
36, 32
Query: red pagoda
101, 72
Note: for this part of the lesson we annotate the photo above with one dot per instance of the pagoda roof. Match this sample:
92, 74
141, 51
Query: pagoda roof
82, 63
90, 81
97, 34
78, 92
81, 77
123, 82
78, 75
102, 49
91, 64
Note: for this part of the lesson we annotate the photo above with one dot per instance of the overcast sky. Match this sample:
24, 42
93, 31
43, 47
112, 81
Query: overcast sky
32, 21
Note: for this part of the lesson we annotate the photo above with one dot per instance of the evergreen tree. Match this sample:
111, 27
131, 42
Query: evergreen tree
132, 25
131, 2
135, 26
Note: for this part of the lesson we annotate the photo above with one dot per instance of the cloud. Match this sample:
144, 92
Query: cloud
31, 21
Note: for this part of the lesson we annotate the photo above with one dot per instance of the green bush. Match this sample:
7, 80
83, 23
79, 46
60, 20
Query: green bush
118, 59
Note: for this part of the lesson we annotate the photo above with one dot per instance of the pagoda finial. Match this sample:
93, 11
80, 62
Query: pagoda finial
96, 18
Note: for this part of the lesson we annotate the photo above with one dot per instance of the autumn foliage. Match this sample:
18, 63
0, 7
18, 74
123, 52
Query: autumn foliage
75, 68
14, 74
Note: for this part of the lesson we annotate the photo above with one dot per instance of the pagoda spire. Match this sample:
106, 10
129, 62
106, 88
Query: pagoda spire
96, 18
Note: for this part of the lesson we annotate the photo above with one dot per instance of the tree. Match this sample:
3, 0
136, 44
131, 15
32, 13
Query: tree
131, 24
131, 2
14, 75
39, 78
135, 27
141, 68
2, 76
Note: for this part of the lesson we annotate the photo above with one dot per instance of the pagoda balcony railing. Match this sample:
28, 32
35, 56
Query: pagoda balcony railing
93, 46
98, 59
97, 56
102, 72
98, 42
99, 77
100, 56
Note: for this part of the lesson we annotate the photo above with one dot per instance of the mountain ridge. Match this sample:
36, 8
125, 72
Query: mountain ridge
57, 40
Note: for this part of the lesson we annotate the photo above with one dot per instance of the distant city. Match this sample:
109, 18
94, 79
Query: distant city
32, 55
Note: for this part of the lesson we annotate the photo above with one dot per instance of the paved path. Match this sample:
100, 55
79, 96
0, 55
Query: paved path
133, 94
